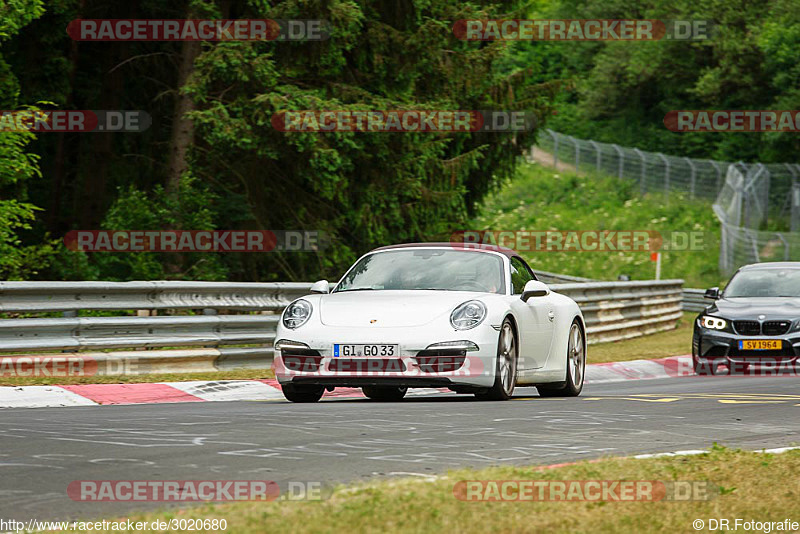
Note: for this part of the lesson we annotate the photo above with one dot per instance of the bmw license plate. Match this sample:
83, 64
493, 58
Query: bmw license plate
359, 351
760, 344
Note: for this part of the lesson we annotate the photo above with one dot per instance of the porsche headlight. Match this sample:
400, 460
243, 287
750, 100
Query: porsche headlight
468, 315
714, 323
296, 314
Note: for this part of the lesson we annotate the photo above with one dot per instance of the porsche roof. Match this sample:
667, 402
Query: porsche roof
456, 245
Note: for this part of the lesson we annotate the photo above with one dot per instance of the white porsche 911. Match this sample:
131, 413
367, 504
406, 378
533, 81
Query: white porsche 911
471, 318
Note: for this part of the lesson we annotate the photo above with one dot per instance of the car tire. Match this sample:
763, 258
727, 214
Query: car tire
302, 392
576, 366
384, 393
505, 372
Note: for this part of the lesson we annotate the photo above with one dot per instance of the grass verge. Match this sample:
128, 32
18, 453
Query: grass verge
545, 199
674, 342
751, 486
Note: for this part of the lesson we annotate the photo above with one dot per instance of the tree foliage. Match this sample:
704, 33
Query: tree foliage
361, 189
620, 91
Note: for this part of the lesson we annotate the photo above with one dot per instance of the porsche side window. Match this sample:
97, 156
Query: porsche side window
520, 275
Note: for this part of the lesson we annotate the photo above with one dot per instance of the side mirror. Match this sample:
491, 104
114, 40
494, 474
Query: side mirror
321, 286
534, 288
712, 293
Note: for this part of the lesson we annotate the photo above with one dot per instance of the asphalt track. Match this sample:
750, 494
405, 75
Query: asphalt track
43, 449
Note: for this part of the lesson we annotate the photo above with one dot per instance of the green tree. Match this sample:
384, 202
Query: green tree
363, 189
17, 164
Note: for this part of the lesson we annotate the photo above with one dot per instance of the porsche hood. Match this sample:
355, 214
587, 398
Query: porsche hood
387, 308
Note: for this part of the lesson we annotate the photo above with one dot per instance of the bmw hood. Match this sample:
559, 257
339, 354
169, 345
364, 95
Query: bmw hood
752, 307
385, 308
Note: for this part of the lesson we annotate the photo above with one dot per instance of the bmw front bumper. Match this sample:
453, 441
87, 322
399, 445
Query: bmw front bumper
716, 346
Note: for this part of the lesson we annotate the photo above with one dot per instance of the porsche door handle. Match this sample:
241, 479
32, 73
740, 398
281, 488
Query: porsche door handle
551, 315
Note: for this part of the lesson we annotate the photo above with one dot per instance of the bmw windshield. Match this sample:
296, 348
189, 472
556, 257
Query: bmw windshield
764, 283
433, 269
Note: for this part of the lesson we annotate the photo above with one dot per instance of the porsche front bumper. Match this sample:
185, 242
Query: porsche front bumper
427, 357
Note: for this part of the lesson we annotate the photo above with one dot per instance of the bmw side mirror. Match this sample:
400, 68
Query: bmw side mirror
712, 293
534, 288
321, 286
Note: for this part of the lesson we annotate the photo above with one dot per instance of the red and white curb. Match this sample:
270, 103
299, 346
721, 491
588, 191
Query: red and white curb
674, 366
269, 390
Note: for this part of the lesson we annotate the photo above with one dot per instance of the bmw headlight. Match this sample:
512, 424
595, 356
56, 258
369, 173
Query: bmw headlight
714, 323
296, 314
468, 315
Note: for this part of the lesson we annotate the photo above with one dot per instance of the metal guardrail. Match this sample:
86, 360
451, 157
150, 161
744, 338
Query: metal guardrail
693, 300
77, 333
159, 295
190, 343
622, 310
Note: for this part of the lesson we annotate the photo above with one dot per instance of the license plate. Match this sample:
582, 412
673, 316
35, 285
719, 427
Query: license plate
760, 344
360, 351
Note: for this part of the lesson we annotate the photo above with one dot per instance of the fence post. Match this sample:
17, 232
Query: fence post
642, 185
693, 176
719, 174
723, 248
555, 147
666, 172
597, 151
577, 152
794, 216
785, 246
621, 159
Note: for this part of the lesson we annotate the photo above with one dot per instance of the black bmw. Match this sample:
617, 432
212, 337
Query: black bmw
755, 320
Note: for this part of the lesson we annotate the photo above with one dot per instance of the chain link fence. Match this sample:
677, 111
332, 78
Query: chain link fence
742, 207
757, 204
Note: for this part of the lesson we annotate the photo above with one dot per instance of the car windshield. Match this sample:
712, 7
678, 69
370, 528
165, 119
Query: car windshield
440, 269
764, 283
